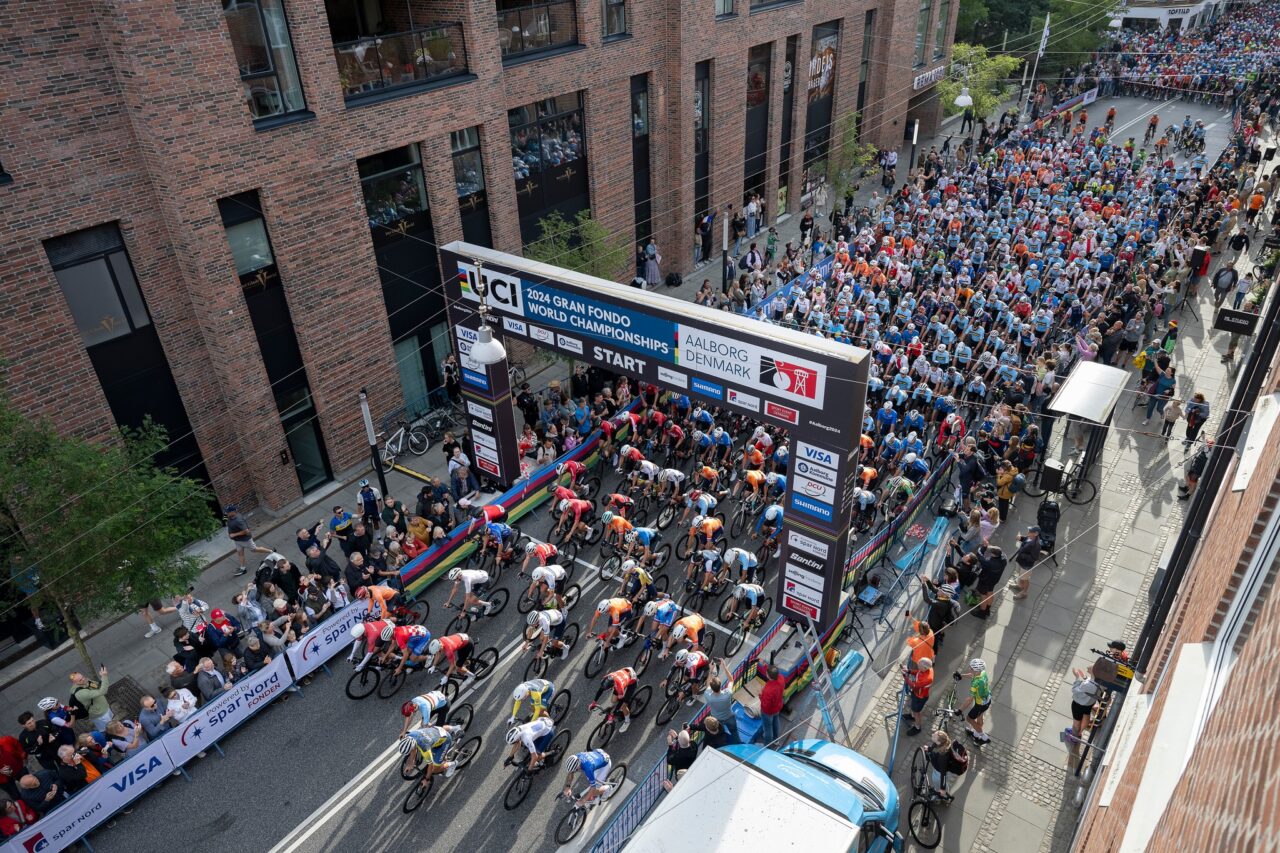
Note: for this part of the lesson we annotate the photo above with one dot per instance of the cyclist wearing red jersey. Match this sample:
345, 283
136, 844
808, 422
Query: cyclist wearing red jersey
456, 649
483, 515
622, 683
370, 636
401, 635
543, 552
619, 504
628, 458
581, 511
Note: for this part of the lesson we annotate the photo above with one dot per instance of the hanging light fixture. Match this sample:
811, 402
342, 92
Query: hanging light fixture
487, 349
964, 99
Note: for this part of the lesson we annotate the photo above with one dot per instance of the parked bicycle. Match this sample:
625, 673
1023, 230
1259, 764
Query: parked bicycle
414, 439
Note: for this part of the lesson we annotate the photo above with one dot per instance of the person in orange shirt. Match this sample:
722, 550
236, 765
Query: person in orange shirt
1255, 206
377, 596
919, 681
921, 644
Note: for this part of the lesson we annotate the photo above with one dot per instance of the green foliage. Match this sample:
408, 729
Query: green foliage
583, 245
984, 74
102, 525
971, 21
1076, 28
849, 156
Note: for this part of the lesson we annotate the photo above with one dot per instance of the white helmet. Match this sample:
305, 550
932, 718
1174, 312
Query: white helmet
513, 734
455, 573
406, 746
388, 631
530, 548
603, 605
909, 459
651, 608
532, 618
572, 763
357, 630
48, 703
682, 657
563, 506
771, 479
626, 448
560, 469
630, 537
521, 692
434, 647
606, 517
698, 435
697, 521
364, 482
740, 591
717, 432
628, 565
978, 665
678, 632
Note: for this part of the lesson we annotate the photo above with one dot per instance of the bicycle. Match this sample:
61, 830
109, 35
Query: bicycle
548, 600
746, 624
678, 690
437, 422
516, 375
574, 819
600, 654
537, 666
414, 439
744, 514
474, 612
481, 666
460, 755
518, 788
606, 728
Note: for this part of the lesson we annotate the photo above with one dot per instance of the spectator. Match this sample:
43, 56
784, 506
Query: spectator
714, 733
1027, 555
125, 737
38, 740
772, 698
919, 680
93, 695
1195, 466
681, 753
988, 525
17, 817
341, 526
309, 537
357, 574
920, 644
719, 699
179, 703
1196, 413
991, 566
190, 647
158, 607
180, 678
255, 656
394, 516
1085, 693
312, 600
209, 681
978, 701
1005, 474
42, 791
319, 563
75, 770
60, 719
155, 721
247, 606
191, 610
1172, 411
13, 764
241, 537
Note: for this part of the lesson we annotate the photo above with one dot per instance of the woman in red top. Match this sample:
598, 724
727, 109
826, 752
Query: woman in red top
771, 701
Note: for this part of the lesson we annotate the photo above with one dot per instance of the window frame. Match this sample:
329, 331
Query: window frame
469, 148
924, 20
286, 115
413, 165
940, 26
726, 8
127, 305
620, 5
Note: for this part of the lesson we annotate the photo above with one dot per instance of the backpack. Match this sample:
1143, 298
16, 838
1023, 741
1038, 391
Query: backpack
77, 707
1018, 484
958, 759
266, 573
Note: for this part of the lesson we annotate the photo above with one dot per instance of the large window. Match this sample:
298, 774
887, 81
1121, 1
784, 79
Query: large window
549, 156
940, 29
468, 174
702, 137
641, 183
922, 31
615, 18
93, 269
756, 140
724, 7
824, 51
393, 186
5, 177
264, 53
526, 27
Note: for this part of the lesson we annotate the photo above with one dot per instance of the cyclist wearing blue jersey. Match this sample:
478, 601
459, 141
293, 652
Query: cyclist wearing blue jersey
777, 485
768, 522
751, 593
724, 445
700, 502
429, 705
645, 538
501, 536
744, 561
433, 743
594, 767
780, 457
663, 612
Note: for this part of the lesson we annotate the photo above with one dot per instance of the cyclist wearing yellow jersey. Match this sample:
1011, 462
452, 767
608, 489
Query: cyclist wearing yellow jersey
539, 692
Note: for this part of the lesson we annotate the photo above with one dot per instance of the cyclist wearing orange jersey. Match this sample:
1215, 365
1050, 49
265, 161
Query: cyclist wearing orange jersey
689, 628
867, 475
754, 479
377, 596
457, 650
622, 683
615, 527
543, 552
581, 511
706, 478
618, 609
706, 530
752, 458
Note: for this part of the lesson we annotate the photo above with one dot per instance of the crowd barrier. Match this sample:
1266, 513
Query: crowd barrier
72, 821
648, 791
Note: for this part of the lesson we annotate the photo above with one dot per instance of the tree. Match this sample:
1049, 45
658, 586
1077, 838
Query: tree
985, 76
1076, 29
583, 245
969, 23
95, 529
849, 156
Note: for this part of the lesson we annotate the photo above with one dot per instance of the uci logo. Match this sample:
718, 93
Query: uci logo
502, 291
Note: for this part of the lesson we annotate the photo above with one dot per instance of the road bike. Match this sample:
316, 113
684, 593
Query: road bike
678, 689
472, 613
460, 755
547, 600
413, 439
746, 624
520, 786
537, 666
481, 666
574, 819
606, 728
600, 654
412, 765
922, 816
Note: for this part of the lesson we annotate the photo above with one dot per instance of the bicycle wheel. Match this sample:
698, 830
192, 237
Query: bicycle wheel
419, 610
667, 711
601, 734
570, 638
517, 790
517, 375
560, 705
736, 639
593, 533
571, 824
411, 767
665, 516
728, 609
766, 608
387, 460
498, 601
568, 554
388, 686
559, 745
661, 582
683, 547
661, 556
419, 441
589, 488
739, 523
919, 768
596, 660
1032, 486
461, 716
926, 829
571, 596
362, 683
527, 602
417, 795
639, 517
640, 701
458, 624
708, 641
1081, 491
643, 659
611, 570
536, 668
675, 681
450, 689
482, 664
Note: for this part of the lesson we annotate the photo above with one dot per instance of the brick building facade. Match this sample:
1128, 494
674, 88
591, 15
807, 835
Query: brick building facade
225, 216
1192, 763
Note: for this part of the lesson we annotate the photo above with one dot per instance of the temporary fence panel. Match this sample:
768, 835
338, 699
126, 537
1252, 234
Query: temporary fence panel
218, 718
328, 639
118, 787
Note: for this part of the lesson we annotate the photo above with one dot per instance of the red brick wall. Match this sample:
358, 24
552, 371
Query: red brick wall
133, 111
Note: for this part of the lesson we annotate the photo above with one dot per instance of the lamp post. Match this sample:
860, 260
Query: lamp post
487, 349
915, 136
724, 253
373, 441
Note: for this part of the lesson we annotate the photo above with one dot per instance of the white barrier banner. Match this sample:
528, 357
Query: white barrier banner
326, 640
212, 722
82, 813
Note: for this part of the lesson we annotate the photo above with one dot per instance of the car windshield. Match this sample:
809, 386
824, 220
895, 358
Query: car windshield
871, 799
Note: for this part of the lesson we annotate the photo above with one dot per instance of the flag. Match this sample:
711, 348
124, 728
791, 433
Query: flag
1044, 38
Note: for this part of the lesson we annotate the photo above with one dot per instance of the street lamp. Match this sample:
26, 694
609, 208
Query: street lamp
487, 349
964, 99
915, 135
724, 252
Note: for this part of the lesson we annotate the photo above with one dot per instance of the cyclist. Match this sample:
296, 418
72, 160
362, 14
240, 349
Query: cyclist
896, 491
950, 432
703, 445
543, 552
616, 527
753, 593
700, 502
780, 457
429, 705
582, 511
536, 737
474, 583
546, 579
702, 419
1152, 125
689, 628
618, 609
864, 505
675, 437
663, 612
560, 493
619, 504
769, 522
433, 743
754, 478
752, 458
594, 766
748, 566
711, 562
723, 446
407, 638
705, 530
456, 649
777, 484
645, 473
646, 538
483, 515
370, 635
914, 468
654, 423
696, 666
671, 480
623, 684
575, 470
551, 625
628, 458
502, 536
379, 597
762, 440
706, 478
539, 692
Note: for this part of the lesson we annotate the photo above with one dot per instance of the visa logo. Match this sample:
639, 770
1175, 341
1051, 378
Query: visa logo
137, 774
816, 454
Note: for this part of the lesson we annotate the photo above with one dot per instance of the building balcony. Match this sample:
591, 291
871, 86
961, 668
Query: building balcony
526, 29
372, 66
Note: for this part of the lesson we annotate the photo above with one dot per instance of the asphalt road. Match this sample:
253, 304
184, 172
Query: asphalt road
319, 772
